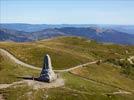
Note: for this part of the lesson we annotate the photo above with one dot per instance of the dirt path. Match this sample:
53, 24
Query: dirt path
59, 82
36, 84
17, 61
78, 66
78, 91
89, 93
39, 85
118, 92
121, 90
2, 86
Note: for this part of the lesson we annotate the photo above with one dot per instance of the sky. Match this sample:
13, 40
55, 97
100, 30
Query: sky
67, 11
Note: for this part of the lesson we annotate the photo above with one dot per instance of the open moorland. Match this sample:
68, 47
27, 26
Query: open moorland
110, 78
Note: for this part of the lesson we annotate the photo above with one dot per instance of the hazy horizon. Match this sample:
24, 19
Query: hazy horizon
110, 12
66, 24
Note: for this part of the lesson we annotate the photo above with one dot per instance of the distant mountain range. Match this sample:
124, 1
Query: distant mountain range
99, 33
37, 27
13, 35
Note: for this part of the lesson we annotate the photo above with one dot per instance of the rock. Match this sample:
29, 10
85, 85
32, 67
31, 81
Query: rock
47, 74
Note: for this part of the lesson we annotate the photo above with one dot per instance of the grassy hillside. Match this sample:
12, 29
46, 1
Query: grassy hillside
107, 80
106, 74
66, 51
75, 88
10, 71
33, 53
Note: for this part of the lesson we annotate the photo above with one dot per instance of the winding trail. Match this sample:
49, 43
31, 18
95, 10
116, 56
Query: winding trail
59, 82
35, 84
121, 90
78, 91
78, 66
92, 93
17, 61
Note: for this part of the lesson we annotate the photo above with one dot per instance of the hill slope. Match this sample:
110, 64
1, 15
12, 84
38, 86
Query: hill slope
13, 35
108, 79
95, 33
37, 27
76, 50
100, 34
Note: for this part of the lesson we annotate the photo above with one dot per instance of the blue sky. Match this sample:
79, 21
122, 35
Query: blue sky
67, 11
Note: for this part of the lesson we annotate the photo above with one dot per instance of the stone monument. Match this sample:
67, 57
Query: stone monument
47, 74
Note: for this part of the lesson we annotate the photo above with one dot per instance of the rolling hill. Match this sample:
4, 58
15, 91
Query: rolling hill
13, 35
37, 27
101, 35
95, 33
107, 79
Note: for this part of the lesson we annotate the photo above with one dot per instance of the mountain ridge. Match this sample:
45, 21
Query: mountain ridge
37, 27
95, 33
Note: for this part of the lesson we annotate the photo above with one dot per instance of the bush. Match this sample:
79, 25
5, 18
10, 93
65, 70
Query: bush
127, 68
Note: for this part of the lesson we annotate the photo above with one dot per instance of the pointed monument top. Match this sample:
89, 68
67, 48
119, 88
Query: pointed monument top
47, 55
47, 62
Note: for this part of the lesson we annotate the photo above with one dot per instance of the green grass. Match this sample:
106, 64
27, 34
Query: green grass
107, 74
75, 88
127, 67
66, 52
16, 93
93, 82
9, 72
33, 53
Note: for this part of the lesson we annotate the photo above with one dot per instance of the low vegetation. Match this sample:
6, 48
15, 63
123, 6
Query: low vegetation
110, 79
11, 72
75, 88
127, 67
66, 51
106, 74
